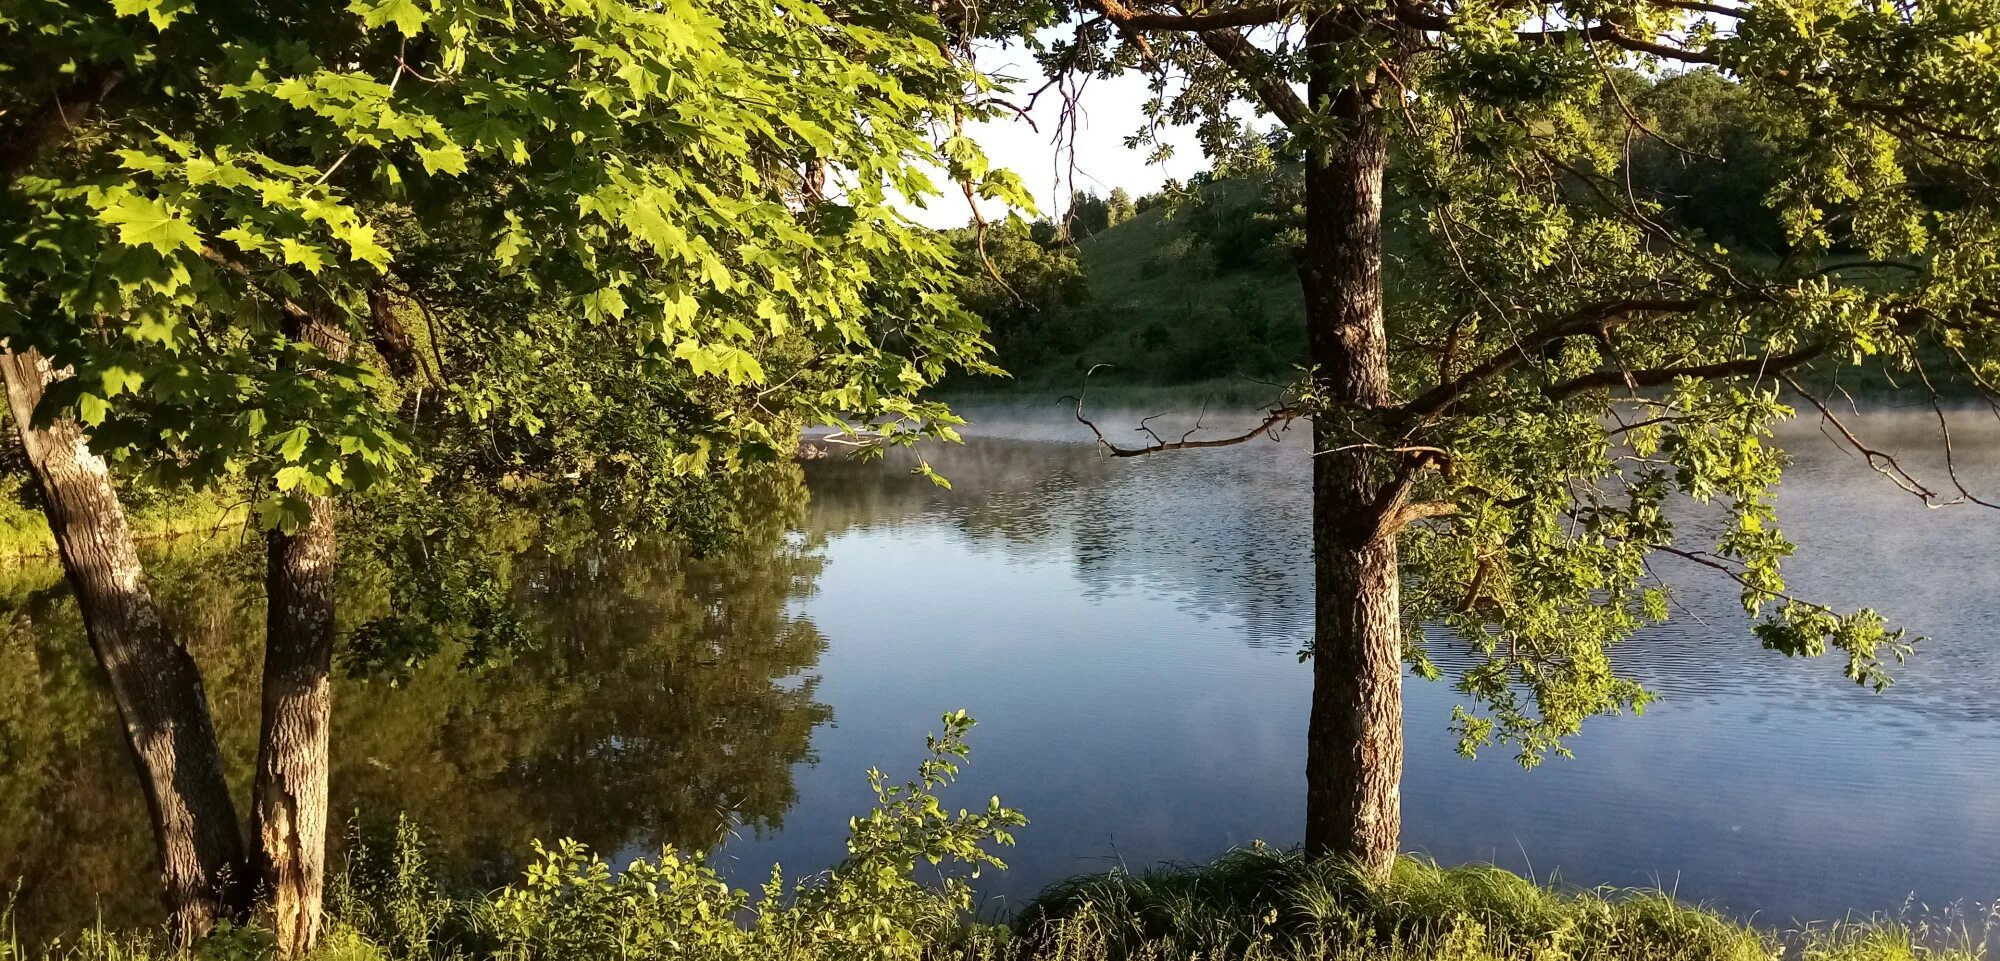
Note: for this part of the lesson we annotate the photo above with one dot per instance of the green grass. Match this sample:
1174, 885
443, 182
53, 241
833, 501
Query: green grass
1160, 313
1256, 904
1125, 262
1103, 394
24, 529
1260, 903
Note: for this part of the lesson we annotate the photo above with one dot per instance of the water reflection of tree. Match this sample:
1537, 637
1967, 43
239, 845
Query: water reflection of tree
1224, 535
664, 699
1005, 490
73, 827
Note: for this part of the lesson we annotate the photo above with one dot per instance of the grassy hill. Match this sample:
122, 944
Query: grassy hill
1204, 294
1162, 310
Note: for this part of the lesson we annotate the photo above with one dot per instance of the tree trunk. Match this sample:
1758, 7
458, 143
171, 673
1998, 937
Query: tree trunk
291, 790
1354, 753
153, 679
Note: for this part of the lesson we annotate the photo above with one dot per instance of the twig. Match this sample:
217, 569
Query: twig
1275, 421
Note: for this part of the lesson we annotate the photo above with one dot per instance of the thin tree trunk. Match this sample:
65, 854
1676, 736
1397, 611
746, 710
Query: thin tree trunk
153, 679
1354, 754
291, 790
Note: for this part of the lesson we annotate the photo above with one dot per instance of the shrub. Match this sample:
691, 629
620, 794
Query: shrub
572, 905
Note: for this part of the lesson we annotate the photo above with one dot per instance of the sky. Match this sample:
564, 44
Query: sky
1109, 112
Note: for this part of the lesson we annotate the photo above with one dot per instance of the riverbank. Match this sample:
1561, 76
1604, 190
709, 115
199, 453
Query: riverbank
1103, 391
1256, 904
1107, 391
1262, 904
24, 529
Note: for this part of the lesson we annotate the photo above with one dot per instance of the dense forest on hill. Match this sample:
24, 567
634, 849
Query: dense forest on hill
1196, 282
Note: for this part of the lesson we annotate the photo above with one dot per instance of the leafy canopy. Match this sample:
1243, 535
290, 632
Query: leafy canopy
575, 204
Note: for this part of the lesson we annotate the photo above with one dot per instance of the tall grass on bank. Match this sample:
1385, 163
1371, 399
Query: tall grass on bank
1263, 904
1105, 393
1258, 904
1255, 905
24, 529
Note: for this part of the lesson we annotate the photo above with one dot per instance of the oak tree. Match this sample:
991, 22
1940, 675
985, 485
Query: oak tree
1500, 432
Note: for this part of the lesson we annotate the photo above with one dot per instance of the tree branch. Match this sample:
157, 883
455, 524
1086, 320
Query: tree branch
1707, 560
1950, 460
21, 144
1273, 92
1588, 320
1392, 509
1253, 16
1610, 33
1885, 463
1655, 376
291, 308
1275, 420
1698, 7
392, 340
1217, 33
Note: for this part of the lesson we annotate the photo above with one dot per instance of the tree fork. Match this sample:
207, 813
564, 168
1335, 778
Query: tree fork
153, 679
290, 797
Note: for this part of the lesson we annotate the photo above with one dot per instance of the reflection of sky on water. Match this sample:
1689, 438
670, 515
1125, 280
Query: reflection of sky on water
1125, 630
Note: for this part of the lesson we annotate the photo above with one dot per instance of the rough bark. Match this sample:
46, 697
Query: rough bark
392, 340
290, 797
1354, 756
154, 681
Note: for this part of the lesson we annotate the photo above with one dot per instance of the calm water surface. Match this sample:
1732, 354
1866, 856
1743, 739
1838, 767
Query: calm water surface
1126, 632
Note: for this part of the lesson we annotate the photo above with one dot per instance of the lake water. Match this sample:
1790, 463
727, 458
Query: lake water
1126, 632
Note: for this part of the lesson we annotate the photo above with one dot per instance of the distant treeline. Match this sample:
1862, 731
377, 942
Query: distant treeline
1195, 281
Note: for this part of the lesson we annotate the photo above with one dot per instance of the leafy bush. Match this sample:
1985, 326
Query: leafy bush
572, 904
1030, 295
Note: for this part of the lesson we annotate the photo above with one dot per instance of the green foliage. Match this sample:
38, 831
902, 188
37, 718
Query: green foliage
589, 206
1706, 164
153, 515
1563, 490
1154, 302
571, 904
1249, 905
388, 890
1709, 166
1031, 296
1089, 214
1119, 207
600, 255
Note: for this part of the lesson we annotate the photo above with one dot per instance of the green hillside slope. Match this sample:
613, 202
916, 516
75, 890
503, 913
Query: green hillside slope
1162, 310
1204, 293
